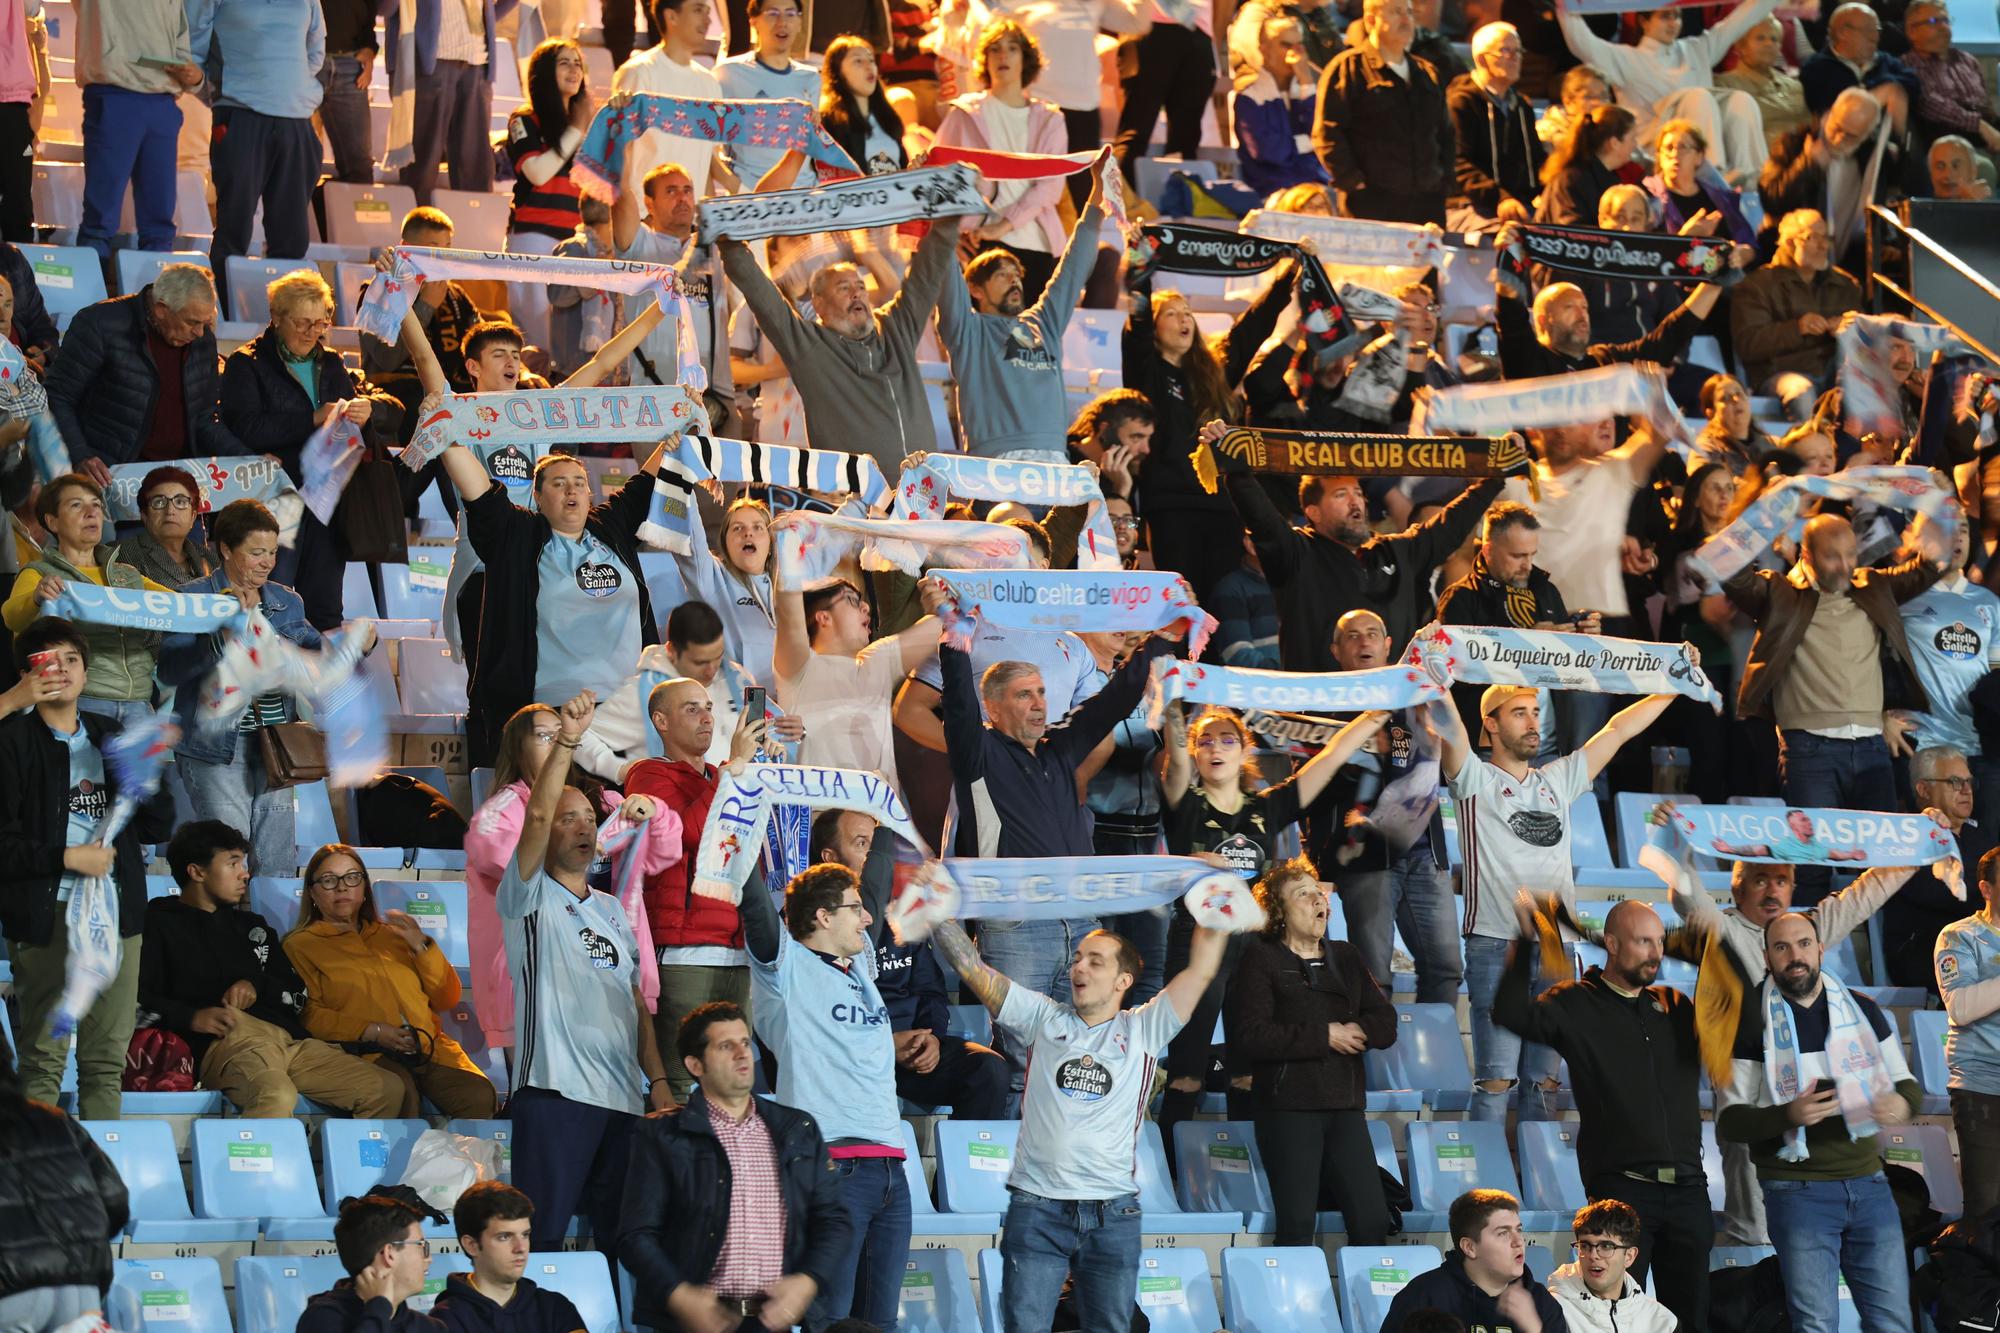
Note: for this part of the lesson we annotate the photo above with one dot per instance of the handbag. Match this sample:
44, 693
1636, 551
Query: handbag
294, 752
158, 1060
369, 520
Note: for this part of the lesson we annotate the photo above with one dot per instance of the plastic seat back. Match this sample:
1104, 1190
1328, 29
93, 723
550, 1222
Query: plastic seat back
370, 215
143, 1152
1220, 1170
990, 1276
356, 1155
937, 1294
69, 278
1176, 1293
1429, 1053
584, 1277
1548, 1166
1926, 1150
1928, 1030
1449, 1157
1278, 1289
500, 1132
1370, 1277
430, 681
974, 1158
254, 1168
185, 1292
272, 1289
136, 268
437, 906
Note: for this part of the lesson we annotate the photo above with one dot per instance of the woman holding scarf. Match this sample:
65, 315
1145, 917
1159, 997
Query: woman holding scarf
542, 139
1214, 811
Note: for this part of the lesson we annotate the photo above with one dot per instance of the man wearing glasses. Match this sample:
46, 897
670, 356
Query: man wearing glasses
1595, 1291
767, 71
381, 1245
1942, 776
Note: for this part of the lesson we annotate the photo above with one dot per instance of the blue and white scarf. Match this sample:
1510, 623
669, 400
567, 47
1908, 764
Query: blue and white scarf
807, 547
700, 458
930, 480
326, 463
218, 482
389, 295
924, 194
734, 835
1547, 660
1053, 600
23, 399
257, 660
1853, 1057
1776, 513
142, 608
1240, 688
599, 164
1554, 400
1067, 887
1870, 397
1352, 241
544, 421
346, 713
1773, 835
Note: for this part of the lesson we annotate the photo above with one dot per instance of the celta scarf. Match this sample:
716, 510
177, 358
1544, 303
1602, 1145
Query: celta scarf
1053, 600
1853, 1057
1322, 453
22, 398
346, 712
809, 547
922, 195
134, 759
390, 294
599, 164
326, 464
1870, 397
1547, 660
700, 458
538, 422
928, 483
1389, 687
1773, 835
734, 834
1067, 887
1345, 242
1640, 256
638, 850
219, 482
1212, 252
1776, 513
996, 166
258, 660
142, 608
1554, 400
400, 150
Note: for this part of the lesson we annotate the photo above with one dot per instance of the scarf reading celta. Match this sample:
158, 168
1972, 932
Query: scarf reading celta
145, 609
1870, 396
1853, 1058
1390, 687
1776, 513
1546, 660
1314, 453
599, 164
808, 547
389, 295
1209, 251
925, 195
1053, 600
929, 481
698, 458
542, 421
219, 482
1641, 256
734, 835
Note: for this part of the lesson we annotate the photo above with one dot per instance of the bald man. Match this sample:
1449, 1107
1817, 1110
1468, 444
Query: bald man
1635, 1064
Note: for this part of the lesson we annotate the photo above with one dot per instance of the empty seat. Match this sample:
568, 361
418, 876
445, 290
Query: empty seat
1548, 1165
414, 591
56, 191
1175, 1292
187, 1293
937, 1294
972, 1022
259, 1169
1371, 1276
430, 680
1162, 1213
1218, 1168
69, 277
1429, 1056
1278, 1289
1926, 1150
248, 280
478, 220
973, 1160
1541, 1261
370, 215
438, 906
272, 1289
136, 268
1928, 1030
925, 1219
583, 1276
143, 1152
1447, 1158
276, 899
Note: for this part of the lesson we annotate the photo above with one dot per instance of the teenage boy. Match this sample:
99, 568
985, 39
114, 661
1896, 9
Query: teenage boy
381, 1245
1595, 1290
1485, 1279
492, 1223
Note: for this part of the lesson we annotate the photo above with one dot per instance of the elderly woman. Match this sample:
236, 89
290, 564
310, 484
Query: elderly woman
276, 392
1273, 111
1685, 186
225, 774
166, 549
71, 510
1301, 1011
375, 981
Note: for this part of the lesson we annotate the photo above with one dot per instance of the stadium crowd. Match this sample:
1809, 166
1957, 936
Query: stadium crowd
1067, 517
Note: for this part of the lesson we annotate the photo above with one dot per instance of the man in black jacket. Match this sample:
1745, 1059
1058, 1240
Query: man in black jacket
1499, 154
55, 791
1558, 340
1635, 1064
106, 390
1381, 128
491, 1219
697, 1261
213, 972
1507, 587
381, 1244
1485, 1279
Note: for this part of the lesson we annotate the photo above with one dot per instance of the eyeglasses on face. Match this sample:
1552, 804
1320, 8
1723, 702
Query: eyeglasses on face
353, 879
160, 504
856, 906
1606, 1248
545, 736
1124, 523
425, 1245
1219, 740
1953, 781
308, 324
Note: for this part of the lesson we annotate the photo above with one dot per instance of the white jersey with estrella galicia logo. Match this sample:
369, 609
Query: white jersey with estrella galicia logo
1086, 1093
830, 1031
1514, 833
574, 962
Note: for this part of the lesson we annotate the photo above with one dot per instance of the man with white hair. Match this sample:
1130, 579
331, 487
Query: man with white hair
1785, 314
1499, 155
1825, 168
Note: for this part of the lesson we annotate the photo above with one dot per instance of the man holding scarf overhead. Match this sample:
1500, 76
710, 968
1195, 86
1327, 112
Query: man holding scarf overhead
1817, 1074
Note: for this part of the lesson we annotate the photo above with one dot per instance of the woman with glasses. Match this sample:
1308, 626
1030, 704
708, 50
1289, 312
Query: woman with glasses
166, 549
1214, 810
374, 983
276, 392
1301, 1011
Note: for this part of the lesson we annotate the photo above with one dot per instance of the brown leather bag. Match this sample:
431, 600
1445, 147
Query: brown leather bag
294, 752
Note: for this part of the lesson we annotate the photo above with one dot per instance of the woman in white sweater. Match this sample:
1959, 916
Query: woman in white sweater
1669, 77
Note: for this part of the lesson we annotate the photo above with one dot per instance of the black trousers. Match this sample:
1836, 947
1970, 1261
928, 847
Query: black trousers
1176, 73
17, 174
1200, 545
620, 25
971, 1079
1320, 1158
1393, 206
1677, 1230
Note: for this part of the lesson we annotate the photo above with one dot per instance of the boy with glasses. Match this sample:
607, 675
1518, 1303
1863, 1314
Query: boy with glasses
381, 1244
768, 71
1595, 1290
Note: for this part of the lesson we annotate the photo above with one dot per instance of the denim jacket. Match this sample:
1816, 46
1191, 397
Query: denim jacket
187, 660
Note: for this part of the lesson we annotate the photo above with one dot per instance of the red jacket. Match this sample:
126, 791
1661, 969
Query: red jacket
679, 919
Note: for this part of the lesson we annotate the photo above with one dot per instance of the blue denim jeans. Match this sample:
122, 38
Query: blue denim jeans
1498, 1054
122, 711
343, 110
1816, 771
1828, 1229
1035, 954
868, 1279
1415, 894
238, 794
1047, 1240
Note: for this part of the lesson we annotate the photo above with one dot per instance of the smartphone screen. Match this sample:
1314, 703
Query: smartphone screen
753, 701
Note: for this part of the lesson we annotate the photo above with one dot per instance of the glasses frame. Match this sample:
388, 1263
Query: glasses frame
351, 879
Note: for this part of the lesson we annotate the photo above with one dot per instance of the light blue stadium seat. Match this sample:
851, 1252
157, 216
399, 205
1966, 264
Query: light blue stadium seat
1548, 1165
136, 268
496, 1131
430, 681
357, 592
1926, 1150
1218, 1168
937, 1294
1843, 962
1158, 1203
160, 886
972, 1022
1371, 1276
356, 1155
69, 278
925, 1219
1673, 971
481, 782
990, 1270
461, 1024
272, 1289
1738, 1256
409, 598
276, 899
1541, 1261
973, 1160
313, 825
1428, 1057
1630, 809
1175, 1291
260, 1169
1449, 1157
143, 1152
1928, 1030
1278, 1289
1590, 851
249, 298
443, 1265
148, 1293
438, 906
584, 1277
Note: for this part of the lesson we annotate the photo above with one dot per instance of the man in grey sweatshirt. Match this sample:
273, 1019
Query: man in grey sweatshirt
855, 367
1007, 360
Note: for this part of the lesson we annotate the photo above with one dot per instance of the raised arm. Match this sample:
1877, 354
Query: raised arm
533, 848
1624, 726
467, 473
951, 940
423, 357
1184, 992
792, 648
1176, 766
612, 355
1454, 746
1346, 743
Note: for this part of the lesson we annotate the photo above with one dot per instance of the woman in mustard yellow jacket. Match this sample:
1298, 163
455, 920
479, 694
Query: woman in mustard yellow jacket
376, 982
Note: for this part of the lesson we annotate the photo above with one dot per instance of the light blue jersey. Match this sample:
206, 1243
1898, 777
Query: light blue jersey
88, 800
575, 963
1968, 954
587, 634
1954, 634
746, 78
830, 1031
